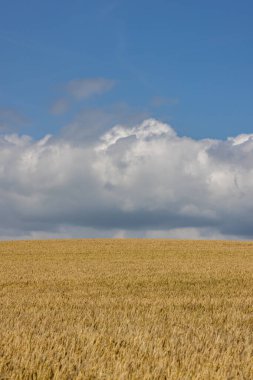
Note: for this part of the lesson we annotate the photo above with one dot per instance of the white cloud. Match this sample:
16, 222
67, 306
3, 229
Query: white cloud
132, 181
86, 88
91, 123
76, 90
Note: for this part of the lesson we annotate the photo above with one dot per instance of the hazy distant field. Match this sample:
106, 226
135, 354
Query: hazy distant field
126, 309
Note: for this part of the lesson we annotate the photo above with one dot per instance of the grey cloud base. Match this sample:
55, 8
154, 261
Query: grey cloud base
143, 181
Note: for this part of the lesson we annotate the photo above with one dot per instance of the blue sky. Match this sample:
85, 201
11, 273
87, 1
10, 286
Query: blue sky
126, 119
185, 62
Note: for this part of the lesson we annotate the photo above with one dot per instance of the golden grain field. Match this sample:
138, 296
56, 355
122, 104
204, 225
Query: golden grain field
126, 309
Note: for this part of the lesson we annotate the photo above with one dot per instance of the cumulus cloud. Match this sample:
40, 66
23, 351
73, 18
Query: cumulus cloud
90, 123
142, 180
85, 88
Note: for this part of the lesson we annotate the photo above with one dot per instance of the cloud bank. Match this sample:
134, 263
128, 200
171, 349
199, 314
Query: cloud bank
142, 180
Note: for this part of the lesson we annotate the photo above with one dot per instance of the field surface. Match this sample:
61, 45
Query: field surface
126, 309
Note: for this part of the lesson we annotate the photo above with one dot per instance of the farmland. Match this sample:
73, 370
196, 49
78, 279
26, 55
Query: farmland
126, 309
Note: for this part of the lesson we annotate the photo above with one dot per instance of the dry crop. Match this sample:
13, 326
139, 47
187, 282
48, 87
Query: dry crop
126, 309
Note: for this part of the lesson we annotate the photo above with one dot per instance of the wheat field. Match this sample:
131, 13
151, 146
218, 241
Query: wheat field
126, 309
